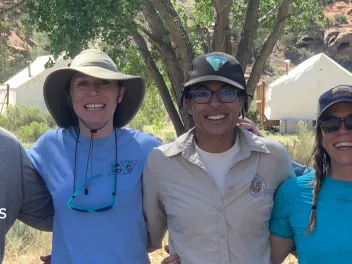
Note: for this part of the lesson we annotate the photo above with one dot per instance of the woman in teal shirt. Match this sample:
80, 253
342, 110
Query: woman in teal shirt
313, 212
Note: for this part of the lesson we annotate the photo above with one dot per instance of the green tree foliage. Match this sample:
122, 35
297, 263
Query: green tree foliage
74, 24
169, 33
152, 112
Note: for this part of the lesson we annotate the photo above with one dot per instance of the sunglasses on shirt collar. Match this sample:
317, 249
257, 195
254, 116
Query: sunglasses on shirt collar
332, 124
201, 94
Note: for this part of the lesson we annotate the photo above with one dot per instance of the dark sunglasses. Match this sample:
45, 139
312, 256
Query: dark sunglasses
332, 124
202, 95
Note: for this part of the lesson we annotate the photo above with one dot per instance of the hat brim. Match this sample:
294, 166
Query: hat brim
214, 78
57, 102
332, 103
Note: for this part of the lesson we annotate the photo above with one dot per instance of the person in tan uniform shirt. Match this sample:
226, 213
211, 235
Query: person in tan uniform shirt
213, 187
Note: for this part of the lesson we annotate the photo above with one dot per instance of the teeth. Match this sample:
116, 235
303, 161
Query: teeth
343, 144
94, 106
217, 117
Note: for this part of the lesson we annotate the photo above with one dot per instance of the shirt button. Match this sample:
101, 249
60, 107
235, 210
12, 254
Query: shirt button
222, 236
221, 210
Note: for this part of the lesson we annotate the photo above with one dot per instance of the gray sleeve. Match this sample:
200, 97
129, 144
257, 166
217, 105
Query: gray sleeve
37, 206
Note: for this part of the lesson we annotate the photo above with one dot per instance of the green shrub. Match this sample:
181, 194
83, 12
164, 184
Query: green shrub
340, 18
305, 54
288, 39
168, 136
21, 115
27, 123
31, 132
49, 120
253, 115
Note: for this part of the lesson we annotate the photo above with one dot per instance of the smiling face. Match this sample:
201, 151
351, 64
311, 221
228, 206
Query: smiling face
95, 100
339, 144
215, 118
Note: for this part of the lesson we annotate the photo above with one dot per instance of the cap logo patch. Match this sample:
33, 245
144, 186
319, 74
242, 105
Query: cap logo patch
216, 62
342, 91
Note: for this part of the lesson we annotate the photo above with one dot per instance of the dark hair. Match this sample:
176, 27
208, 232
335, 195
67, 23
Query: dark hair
321, 164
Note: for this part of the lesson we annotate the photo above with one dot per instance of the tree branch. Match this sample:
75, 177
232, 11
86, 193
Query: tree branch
168, 56
205, 38
247, 39
172, 64
178, 32
222, 36
264, 18
159, 81
154, 40
269, 45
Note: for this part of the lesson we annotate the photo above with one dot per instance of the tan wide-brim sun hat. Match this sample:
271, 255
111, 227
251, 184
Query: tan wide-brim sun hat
97, 64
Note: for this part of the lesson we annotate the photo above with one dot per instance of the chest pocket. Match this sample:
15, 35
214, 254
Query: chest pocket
253, 203
188, 198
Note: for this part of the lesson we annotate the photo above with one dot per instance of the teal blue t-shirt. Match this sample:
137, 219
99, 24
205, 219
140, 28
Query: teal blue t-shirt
330, 242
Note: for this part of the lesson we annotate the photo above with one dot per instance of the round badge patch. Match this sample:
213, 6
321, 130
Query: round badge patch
257, 186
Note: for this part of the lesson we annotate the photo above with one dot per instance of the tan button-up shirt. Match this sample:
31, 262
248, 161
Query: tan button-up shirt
205, 227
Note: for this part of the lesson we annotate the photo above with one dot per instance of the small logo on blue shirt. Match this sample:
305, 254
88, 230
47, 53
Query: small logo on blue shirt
123, 167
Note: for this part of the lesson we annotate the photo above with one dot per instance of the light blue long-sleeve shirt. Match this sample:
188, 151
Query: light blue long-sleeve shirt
118, 235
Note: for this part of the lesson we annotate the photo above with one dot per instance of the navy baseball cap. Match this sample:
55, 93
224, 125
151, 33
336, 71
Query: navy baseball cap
340, 93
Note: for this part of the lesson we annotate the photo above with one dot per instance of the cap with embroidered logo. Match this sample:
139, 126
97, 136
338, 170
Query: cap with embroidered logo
216, 66
340, 93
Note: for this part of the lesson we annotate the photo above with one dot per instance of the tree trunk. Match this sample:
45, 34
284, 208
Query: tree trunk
159, 37
161, 40
176, 68
250, 26
269, 45
160, 83
222, 34
178, 32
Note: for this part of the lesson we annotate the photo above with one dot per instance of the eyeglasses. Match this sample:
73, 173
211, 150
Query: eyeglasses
202, 95
99, 208
332, 124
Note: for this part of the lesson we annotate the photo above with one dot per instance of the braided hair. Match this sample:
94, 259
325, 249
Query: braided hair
321, 164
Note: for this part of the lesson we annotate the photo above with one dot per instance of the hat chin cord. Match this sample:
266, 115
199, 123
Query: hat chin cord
93, 130
90, 152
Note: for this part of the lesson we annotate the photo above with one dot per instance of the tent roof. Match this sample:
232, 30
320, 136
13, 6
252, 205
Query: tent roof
318, 60
37, 67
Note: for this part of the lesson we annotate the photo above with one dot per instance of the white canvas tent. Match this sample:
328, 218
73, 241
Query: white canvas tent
27, 89
294, 97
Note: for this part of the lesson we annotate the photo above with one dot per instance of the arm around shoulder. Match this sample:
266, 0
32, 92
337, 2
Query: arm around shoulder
37, 206
284, 168
152, 204
282, 236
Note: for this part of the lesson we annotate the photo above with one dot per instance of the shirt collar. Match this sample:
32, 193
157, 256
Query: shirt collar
248, 142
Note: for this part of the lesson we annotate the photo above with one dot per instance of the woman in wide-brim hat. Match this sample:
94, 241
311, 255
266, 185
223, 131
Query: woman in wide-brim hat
91, 165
